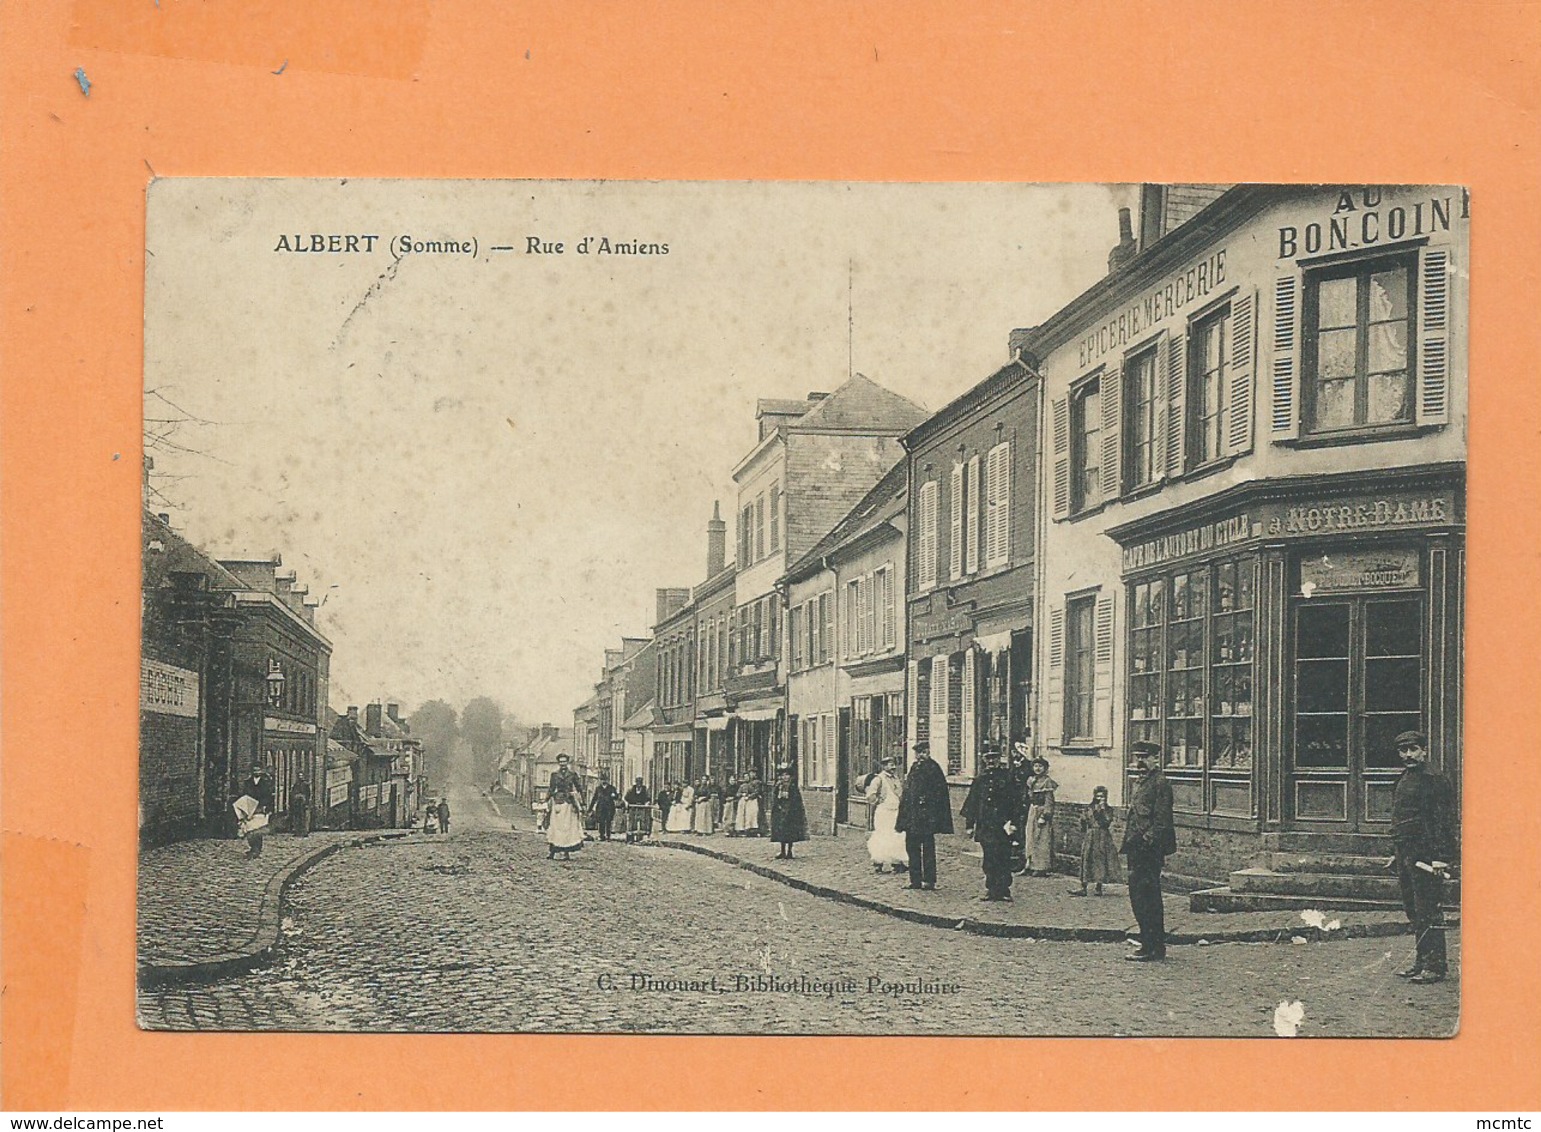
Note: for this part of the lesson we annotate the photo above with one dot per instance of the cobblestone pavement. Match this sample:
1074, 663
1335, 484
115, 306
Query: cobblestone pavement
842, 863
479, 932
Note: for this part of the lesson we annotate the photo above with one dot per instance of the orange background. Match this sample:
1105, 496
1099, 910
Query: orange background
1383, 92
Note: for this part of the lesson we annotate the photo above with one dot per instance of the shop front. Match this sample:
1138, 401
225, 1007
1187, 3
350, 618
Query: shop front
1282, 633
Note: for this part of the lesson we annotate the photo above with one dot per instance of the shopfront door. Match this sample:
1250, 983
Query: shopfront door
1358, 680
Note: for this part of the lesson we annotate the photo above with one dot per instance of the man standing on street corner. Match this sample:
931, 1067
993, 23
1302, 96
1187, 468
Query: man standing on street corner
1423, 830
924, 811
1149, 838
990, 814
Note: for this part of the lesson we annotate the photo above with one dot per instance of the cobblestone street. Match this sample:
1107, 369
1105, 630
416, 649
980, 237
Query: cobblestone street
479, 932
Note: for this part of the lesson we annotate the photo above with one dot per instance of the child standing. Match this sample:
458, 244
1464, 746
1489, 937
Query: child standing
1099, 862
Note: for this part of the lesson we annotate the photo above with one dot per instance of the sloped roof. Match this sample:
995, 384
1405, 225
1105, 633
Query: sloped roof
644, 716
861, 405
782, 407
885, 500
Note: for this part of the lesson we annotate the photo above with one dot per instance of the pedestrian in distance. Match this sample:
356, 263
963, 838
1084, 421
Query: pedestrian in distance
253, 809
1040, 820
750, 792
703, 821
299, 807
1423, 834
885, 845
639, 811
665, 801
1150, 837
564, 825
683, 810
788, 820
925, 810
442, 813
990, 816
603, 806
730, 805
1099, 863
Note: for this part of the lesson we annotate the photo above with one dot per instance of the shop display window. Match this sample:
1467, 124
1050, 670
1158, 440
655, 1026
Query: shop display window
1191, 652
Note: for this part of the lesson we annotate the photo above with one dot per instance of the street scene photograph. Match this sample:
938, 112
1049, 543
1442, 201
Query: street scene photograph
803, 608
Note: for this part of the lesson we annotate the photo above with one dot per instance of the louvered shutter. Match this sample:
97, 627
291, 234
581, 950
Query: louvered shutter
1060, 426
1160, 396
1243, 371
890, 622
1054, 697
955, 514
1112, 390
1176, 405
939, 690
1284, 414
925, 567
1434, 338
913, 708
1102, 675
969, 700
998, 507
974, 513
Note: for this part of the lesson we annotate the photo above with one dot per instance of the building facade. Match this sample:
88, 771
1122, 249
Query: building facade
1254, 510
971, 582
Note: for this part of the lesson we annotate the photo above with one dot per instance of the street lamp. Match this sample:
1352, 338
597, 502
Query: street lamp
275, 681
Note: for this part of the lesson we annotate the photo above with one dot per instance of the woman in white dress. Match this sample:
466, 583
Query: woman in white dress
705, 821
564, 823
683, 810
886, 844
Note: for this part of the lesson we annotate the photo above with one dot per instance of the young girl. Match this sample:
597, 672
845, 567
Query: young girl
1099, 862
1040, 820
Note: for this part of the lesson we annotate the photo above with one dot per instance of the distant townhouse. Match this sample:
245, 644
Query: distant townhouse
814, 460
1254, 495
844, 655
973, 486
671, 739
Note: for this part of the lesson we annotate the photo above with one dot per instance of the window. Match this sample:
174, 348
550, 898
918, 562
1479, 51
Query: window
1080, 667
1191, 637
795, 637
1144, 407
1358, 364
1209, 377
925, 544
1086, 445
775, 517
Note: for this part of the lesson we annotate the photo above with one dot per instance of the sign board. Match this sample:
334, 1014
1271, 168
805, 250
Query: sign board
1357, 571
287, 726
167, 690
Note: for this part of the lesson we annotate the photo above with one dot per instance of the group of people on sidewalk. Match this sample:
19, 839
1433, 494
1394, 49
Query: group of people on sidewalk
744, 807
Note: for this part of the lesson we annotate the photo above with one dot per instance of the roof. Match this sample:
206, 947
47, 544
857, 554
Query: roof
861, 405
642, 717
883, 502
781, 407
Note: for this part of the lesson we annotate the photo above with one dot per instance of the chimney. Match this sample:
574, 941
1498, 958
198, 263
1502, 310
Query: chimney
669, 602
353, 714
1125, 249
372, 719
716, 542
391, 711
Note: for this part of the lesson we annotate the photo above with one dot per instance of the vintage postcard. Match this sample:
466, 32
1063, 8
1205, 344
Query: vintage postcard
803, 608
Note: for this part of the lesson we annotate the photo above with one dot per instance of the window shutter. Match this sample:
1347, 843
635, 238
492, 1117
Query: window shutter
1112, 389
1160, 395
955, 513
939, 689
1176, 404
1243, 369
889, 622
998, 507
1054, 698
1102, 660
925, 545
913, 713
968, 712
975, 513
864, 614
1060, 426
1284, 419
1434, 339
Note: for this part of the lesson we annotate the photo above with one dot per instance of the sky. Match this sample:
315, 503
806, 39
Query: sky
484, 462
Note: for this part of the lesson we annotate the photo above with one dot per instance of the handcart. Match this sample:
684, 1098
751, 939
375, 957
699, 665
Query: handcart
639, 821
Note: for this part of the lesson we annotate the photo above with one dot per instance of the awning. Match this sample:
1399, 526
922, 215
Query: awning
756, 715
716, 723
994, 642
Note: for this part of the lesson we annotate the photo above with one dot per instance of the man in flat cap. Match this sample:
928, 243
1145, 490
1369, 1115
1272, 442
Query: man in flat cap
925, 810
1149, 838
1423, 830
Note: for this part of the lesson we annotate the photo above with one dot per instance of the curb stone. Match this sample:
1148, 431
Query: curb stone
269, 923
1053, 933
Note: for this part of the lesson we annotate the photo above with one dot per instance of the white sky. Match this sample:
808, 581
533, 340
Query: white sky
489, 466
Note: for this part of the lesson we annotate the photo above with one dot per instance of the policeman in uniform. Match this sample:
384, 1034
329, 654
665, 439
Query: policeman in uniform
1423, 828
1149, 838
990, 815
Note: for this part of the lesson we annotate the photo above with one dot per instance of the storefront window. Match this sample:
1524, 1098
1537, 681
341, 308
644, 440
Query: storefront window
1191, 651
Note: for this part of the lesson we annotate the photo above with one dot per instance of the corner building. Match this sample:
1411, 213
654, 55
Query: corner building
1253, 546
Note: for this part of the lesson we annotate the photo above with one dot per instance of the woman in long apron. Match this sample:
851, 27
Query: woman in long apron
886, 845
564, 826
703, 823
683, 810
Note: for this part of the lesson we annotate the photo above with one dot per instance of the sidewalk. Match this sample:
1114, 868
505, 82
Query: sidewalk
838, 868
205, 911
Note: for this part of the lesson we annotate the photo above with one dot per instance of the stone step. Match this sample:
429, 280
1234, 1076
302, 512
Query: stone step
1228, 900
1358, 886
1354, 844
1341, 863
